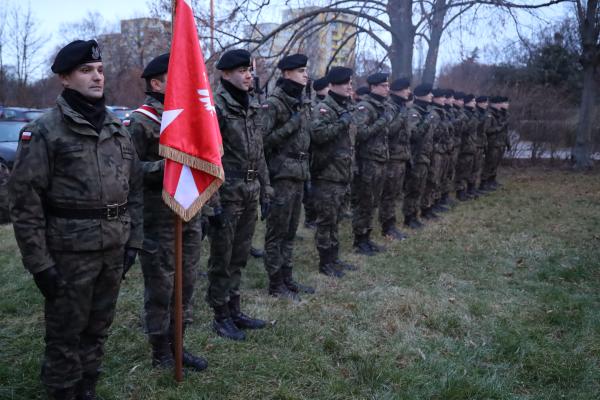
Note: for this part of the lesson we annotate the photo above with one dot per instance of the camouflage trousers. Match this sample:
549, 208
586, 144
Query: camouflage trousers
434, 175
78, 319
416, 181
329, 198
464, 171
393, 191
367, 188
158, 266
282, 224
310, 214
450, 175
493, 156
477, 166
230, 248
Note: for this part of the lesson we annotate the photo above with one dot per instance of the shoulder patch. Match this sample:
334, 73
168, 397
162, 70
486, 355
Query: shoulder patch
323, 110
126, 122
266, 105
26, 136
361, 107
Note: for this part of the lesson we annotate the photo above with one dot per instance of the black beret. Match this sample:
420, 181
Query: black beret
468, 98
449, 93
157, 66
495, 99
361, 91
505, 99
423, 89
439, 92
400, 84
74, 54
233, 59
377, 78
459, 95
292, 62
339, 75
320, 83
481, 99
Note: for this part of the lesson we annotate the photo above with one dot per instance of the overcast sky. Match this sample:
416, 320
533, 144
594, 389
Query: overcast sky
51, 14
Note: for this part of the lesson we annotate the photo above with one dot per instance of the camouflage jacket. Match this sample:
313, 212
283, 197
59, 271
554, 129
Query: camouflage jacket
243, 150
495, 137
460, 122
421, 139
372, 126
468, 143
145, 133
485, 121
441, 130
332, 142
63, 162
286, 136
405, 119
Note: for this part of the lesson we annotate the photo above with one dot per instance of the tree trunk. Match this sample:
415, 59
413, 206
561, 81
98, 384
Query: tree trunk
436, 28
582, 150
403, 38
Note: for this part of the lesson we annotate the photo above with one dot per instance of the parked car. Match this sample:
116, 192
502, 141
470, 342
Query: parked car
9, 140
20, 114
120, 111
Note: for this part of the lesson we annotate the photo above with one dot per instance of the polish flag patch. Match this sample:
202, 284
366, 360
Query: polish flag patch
126, 122
323, 110
26, 136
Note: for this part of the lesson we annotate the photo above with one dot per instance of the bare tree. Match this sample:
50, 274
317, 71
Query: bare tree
589, 30
25, 43
3, 17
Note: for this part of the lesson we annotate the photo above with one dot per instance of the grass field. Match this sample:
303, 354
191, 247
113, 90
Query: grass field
499, 300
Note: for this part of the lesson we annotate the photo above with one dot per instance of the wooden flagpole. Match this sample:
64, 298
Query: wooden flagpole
178, 284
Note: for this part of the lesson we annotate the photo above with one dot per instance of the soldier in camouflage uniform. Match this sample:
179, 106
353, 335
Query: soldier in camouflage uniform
333, 136
158, 255
438, 156
485, 120
235, 205
321, 88
421, 143
468, 148
404, 121
373, 115
286, 136
496, 144
76, 207
458, 119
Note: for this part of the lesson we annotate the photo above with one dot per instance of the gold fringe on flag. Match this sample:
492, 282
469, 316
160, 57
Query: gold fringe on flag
191, 161
189, 213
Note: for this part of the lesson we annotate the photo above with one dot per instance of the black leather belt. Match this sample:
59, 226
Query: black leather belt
110, 212
298, 156
247, 176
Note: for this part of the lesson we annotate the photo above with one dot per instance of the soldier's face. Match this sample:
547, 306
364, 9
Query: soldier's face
323, 92
439, 101
404, 93
159, 84
471, 104
87, 79
298, 75
345, 89
240, 77
381, 89
483, 105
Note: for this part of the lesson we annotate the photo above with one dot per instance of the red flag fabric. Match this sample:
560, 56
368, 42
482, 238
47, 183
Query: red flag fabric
190, 139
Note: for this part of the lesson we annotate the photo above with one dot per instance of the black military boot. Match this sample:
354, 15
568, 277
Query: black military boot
376, 248
241, 320
86, 388
162, 356
471, 191
439, 207
292, 285
389, 230
461, 195
411, 221
62, 394
484, 187
190, 360
337, 262
278, 288
429, 214
361, 246
256, 253
326, 265
223, 324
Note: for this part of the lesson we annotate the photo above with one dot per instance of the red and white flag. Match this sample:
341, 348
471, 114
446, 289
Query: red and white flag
190, 139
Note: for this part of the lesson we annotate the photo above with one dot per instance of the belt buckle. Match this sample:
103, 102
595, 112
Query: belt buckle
112, 212
250, 175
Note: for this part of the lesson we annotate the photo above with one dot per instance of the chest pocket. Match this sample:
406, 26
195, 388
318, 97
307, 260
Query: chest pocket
69, 159
127, 151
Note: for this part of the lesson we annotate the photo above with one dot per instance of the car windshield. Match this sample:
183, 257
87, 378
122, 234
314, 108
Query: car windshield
9, 131
122, 114
31, 115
